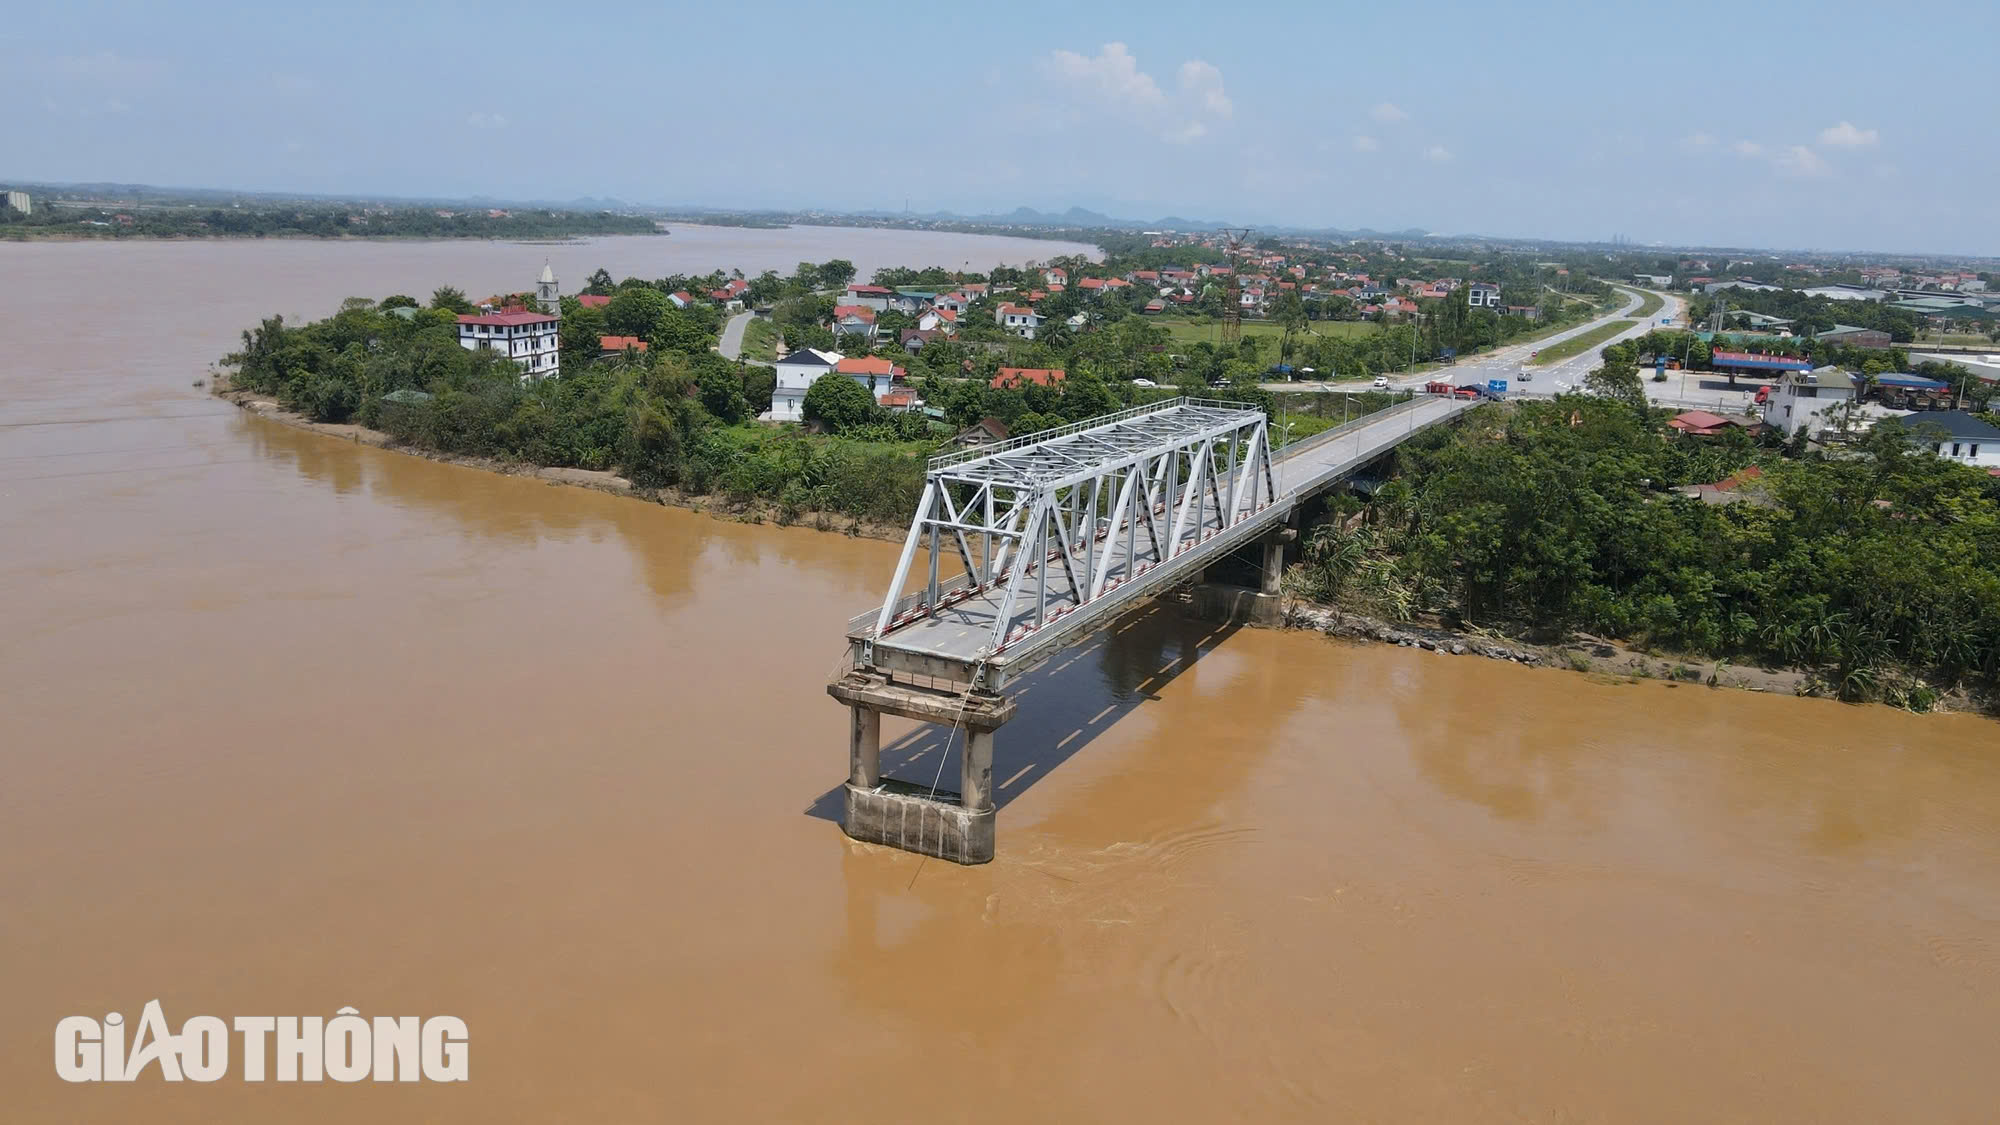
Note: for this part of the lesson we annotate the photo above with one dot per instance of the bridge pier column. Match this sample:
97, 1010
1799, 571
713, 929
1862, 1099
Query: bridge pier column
864, 748
975, 772
1274, 563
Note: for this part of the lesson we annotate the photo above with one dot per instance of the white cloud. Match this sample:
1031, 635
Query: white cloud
1366, 143
1845, 135
481, 120
1203, 82
1388, 113
1698, 140
1113, 73
1800, 161
1747, 148
1438, 153
1112, 78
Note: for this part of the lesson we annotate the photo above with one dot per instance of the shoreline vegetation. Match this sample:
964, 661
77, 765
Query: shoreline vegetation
93, 220
1869, 573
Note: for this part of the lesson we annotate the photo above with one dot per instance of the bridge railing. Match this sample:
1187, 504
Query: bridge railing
1334, 434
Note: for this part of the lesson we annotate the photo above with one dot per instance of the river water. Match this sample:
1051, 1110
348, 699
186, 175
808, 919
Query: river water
290, 724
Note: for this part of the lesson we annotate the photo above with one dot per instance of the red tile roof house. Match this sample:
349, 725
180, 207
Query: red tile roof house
596, 300
1701, 423
854, 320
615, 345
1021, 320
681, 298
1019, 376
876, 375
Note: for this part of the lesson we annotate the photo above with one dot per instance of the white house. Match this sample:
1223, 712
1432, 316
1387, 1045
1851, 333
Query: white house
527, 338
1482, 295
950, 302
1808, 400
1957, 435
1021, 320
796, 373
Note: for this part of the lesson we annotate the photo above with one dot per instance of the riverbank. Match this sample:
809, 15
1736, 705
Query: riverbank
753, 512
1602, 660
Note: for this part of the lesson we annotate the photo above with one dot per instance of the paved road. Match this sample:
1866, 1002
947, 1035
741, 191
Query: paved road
732, 336
1693, 389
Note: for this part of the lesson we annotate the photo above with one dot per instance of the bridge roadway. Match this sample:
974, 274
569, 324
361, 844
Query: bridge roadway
956, 641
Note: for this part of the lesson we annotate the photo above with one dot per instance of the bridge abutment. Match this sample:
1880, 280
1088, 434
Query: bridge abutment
917, 818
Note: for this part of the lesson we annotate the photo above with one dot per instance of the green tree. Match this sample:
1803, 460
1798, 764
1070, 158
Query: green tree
451, 299
636, 312
839, 403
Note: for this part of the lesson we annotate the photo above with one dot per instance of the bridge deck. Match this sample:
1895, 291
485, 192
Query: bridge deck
954, 640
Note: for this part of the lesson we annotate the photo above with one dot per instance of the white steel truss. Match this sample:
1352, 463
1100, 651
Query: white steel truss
1049, 523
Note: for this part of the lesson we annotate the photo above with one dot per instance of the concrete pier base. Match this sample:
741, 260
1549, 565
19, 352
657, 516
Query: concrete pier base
954, 826
906, 816
1235, 605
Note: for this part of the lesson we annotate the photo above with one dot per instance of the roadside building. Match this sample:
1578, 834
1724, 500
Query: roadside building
1957, 435
19, 201
796, 374
1854, 337
1753, 364
1809, 400
1482, 295
527, 338
1703, 423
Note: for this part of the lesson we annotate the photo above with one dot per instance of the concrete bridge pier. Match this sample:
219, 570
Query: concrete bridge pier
954, 826
1221, 601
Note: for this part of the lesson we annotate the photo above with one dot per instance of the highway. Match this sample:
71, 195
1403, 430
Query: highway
1693, 389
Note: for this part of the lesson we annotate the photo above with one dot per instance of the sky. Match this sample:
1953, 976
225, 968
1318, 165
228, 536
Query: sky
1830, 125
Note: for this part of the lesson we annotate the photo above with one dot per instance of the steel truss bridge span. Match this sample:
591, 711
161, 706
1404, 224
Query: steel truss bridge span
1029, 545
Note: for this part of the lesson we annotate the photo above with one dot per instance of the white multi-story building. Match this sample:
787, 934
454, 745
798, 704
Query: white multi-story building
796, 374
19, 201
527, 338
1808, 400
1482, 295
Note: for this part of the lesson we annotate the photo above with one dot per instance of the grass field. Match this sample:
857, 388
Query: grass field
1649, 303
1581, 343
1193, 331
1956, 340
760, 341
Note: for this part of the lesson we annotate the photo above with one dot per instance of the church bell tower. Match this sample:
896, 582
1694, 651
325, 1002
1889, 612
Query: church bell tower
545, 292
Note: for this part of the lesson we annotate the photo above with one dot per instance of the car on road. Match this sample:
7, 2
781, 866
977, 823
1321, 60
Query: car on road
1144, 383
1763, 393
1381, 382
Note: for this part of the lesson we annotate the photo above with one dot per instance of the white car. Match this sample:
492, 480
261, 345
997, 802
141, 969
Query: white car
1381, 382
1144, 383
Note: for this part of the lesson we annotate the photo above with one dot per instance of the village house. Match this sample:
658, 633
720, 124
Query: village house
598, 300
876, 375
1021, 320
854, 320
938, 320
874, 297
953, 303
910, 301
1055, 275
1808, 400
796, 374
681, 298
1482, 295
617, 345
1957, 435
730, 295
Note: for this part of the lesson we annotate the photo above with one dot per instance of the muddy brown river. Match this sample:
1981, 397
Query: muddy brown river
289, 724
